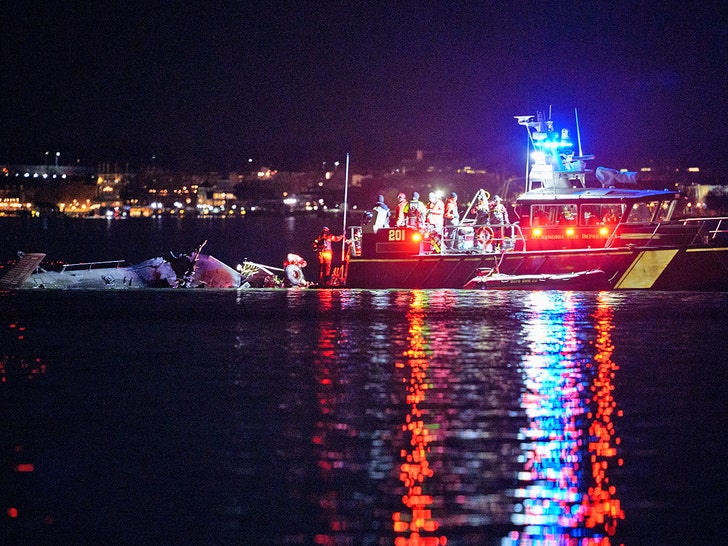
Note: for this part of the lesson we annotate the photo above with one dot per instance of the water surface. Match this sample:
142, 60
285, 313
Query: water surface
362, 417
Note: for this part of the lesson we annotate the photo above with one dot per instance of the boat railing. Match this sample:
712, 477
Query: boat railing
482, 238
88, 266
612, 237
712, 230
715, 227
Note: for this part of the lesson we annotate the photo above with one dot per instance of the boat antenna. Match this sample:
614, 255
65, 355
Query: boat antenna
528, 123
346, 202
528, 159
578, 133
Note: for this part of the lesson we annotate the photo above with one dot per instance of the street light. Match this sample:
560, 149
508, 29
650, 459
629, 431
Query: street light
58, 154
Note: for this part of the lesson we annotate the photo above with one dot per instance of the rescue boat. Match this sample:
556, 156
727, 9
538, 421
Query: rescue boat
569, 220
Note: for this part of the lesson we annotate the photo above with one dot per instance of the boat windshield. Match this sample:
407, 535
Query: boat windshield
652, 211
586, 215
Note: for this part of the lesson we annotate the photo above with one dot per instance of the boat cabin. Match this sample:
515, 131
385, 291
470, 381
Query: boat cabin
592, 217
569, 206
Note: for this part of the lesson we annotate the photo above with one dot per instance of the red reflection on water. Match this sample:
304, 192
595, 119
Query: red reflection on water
17, 489
331, 433
414, 524
18, 367
15, 366
601, 507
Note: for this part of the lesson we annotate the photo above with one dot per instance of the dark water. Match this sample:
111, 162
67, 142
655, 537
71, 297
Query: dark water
362, 417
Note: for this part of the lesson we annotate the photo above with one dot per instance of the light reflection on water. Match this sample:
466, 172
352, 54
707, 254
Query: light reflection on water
481, 445
416, 418
565, 492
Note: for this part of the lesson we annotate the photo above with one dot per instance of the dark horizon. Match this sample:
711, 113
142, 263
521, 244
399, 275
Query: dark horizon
292, 85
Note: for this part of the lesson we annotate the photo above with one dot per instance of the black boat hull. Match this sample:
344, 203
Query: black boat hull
625, 268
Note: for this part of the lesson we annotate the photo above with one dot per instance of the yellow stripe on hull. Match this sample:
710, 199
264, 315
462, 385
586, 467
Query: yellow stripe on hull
646, 269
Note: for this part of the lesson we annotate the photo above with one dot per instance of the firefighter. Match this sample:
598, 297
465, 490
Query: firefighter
499, 218
452, 216
323, 248
435, 212
402, 208
481, 210
416, 212
381, 214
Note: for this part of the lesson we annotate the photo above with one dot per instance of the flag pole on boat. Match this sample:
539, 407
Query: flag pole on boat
346, 205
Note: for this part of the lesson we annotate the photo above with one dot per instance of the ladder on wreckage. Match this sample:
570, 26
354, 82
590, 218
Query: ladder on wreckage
20, 272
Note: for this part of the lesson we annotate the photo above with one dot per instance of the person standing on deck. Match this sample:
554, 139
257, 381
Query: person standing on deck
381, 214
481, 211
435, 212
499, 218
402, 207
324, 249
416, 212
452, 216
498, 212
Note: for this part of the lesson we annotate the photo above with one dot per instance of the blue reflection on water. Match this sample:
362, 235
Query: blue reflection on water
569, 441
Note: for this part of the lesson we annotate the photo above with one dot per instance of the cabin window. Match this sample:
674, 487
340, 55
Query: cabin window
664, 212
642, 213
543, 215
597, 215
567, 215
590, 215
546, 215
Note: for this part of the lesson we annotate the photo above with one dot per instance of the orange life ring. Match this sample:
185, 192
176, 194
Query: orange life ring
485, 234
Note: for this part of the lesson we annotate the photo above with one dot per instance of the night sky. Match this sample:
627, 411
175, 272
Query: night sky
207, 85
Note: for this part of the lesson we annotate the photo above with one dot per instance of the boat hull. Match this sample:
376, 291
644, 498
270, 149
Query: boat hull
625, 268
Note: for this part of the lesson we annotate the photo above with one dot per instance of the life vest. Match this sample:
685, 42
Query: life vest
319, 244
